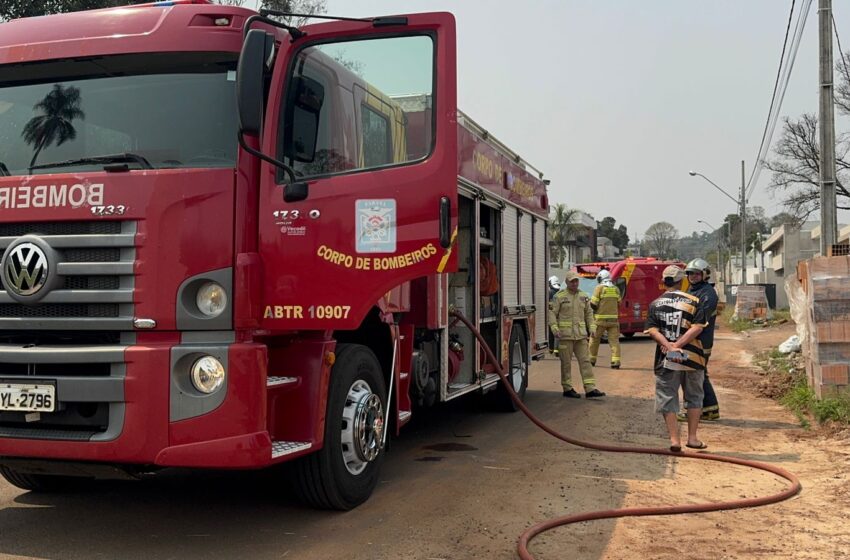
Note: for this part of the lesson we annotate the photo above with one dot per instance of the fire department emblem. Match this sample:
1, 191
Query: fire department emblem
376, 226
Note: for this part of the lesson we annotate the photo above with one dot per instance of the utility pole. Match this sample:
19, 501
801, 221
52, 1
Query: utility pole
826, 124
743, 202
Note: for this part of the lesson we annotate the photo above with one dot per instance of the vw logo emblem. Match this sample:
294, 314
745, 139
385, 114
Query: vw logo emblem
25, 269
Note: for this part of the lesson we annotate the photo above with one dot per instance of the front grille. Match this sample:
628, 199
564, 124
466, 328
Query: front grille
73, 335
58, 310
54, 370
95, 265
96, 254
60, 228
92, 283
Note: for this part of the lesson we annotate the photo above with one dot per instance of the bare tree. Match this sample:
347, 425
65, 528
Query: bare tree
13, 9
796, 170
292, 6
296, 7
661, 239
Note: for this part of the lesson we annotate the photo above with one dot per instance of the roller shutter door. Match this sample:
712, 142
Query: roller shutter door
510, 249
541, 289
526, 255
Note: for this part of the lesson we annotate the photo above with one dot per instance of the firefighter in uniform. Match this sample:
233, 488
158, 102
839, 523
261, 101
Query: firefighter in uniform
605, 301
571, 321
698, 272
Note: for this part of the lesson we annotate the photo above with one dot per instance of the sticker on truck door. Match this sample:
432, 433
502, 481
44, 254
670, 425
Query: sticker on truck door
376, 225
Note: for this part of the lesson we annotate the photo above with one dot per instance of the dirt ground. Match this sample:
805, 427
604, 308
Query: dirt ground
814, 525
463, 483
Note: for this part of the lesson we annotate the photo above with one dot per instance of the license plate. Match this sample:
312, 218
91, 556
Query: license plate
27, 397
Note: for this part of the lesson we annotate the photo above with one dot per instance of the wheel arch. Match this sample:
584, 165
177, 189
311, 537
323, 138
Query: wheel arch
524, 324
374, 334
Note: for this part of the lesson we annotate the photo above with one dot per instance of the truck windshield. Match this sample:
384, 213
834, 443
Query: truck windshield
167, 110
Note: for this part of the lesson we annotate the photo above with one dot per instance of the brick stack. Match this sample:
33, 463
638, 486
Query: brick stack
826, 284
751, 304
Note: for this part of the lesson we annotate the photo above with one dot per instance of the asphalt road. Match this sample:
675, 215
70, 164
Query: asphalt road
460, 482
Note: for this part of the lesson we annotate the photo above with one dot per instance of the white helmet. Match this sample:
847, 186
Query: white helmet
554, 282
602, 276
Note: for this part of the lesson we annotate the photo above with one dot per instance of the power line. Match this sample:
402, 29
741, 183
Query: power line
776, 82
799, 27
840, 50
776, 103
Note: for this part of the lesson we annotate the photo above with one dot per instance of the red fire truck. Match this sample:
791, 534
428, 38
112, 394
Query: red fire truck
639, 280
229, 243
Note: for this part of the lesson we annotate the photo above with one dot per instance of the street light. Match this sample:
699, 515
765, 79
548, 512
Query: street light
742, 205
719, 239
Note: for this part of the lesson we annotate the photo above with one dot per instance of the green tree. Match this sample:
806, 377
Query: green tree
13, 9
758, 225
59, 108
617, 234
783, 218
562, 230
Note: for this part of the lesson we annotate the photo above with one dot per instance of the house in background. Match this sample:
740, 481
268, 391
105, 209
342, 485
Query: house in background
605, 249
783, 249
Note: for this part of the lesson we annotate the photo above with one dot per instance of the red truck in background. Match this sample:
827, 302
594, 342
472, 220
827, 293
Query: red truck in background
639, 281
229, 243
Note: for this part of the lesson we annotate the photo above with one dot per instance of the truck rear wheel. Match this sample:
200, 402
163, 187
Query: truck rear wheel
343, 474
39, 482
517, 371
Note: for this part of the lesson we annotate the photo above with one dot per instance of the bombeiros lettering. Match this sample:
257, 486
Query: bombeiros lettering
51, 196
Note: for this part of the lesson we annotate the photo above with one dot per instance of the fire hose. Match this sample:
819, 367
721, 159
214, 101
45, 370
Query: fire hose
526, 537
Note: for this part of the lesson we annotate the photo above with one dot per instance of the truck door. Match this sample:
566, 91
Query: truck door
364, 113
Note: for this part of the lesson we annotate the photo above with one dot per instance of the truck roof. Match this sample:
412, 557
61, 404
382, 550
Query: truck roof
180, 25
590, 270
487, 163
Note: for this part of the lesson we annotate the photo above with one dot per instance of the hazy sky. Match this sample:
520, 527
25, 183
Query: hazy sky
616, 100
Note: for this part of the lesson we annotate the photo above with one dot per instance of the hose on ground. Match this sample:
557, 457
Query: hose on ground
531, 532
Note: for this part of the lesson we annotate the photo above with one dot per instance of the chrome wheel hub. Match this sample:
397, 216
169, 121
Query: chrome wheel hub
518, 367
362, 427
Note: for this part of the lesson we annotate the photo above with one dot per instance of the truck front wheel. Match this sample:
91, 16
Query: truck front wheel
39, 482
343, 474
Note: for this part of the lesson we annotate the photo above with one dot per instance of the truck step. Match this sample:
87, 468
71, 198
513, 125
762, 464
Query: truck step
276, 381
281, 448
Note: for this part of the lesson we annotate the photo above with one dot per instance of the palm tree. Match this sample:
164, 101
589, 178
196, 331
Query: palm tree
59, 108
562, 230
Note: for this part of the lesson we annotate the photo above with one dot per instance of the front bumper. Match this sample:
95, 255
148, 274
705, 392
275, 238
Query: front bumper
131, 405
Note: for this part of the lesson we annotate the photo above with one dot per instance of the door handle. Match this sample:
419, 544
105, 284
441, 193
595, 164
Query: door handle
445, 222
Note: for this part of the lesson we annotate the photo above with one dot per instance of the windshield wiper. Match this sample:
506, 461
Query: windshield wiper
4, 170
112, 158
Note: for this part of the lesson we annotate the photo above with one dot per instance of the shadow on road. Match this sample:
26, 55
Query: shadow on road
495, 470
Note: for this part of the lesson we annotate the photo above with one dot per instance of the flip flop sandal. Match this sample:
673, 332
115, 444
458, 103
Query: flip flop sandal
676, 448
699, 445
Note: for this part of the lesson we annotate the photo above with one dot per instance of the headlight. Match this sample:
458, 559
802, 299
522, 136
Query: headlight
207, 374
211, 299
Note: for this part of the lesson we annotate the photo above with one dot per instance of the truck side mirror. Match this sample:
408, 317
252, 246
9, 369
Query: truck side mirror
303, 109
257, 50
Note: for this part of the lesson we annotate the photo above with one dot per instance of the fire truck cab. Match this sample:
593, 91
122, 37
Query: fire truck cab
229, 243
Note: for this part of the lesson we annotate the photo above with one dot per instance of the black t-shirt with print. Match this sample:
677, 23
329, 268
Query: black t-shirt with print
672, 314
